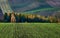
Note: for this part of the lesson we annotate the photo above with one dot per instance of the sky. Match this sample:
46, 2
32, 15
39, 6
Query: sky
24, 5
27, 6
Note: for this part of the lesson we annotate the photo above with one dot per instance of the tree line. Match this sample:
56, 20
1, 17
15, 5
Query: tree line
29, 18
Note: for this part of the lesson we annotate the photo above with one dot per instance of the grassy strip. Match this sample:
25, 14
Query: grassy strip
29, 30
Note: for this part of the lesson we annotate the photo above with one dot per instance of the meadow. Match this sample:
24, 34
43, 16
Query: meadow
29, 30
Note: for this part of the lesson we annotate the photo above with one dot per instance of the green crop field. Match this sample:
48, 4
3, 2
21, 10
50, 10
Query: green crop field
29, 30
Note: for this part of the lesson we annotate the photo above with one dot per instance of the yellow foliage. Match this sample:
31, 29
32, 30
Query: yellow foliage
31, 16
